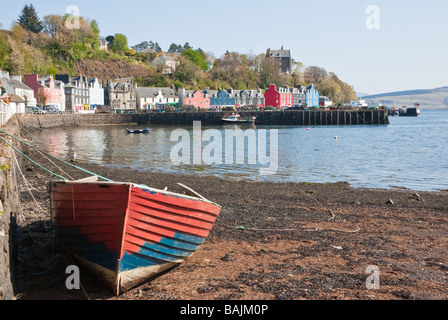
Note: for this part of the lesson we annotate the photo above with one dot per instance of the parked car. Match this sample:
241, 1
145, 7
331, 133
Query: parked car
35, 110
52, 109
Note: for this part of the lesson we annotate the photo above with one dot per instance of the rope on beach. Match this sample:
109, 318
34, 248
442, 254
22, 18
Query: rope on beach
337, 230
46, 153
27, 184
333, 216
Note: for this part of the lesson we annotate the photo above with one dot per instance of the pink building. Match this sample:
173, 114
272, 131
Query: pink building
198, 99
47, 91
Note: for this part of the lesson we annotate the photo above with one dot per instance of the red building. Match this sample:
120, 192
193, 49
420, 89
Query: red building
46, 91
278, 97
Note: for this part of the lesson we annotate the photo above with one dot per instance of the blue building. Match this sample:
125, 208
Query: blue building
312, 96
222, 98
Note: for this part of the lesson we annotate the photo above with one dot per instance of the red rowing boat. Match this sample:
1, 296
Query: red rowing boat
126, 233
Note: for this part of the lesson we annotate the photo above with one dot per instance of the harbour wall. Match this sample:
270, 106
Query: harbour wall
10, 212
298, 118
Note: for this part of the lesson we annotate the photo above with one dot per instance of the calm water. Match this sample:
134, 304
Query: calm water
410, 152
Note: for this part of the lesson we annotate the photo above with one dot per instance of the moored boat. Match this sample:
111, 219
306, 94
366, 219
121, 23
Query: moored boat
146, 130
410, 112
236, 118
125, 233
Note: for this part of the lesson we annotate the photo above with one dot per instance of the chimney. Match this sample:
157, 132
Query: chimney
17, 77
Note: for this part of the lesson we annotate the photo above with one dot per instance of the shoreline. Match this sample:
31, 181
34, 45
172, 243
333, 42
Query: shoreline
272, 241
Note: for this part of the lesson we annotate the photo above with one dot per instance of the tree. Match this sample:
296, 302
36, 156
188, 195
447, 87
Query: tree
187, 46
347, 92
5, 50
53, 24
174, 48
197, 58
95, 33
318, 73
110, 39
157, 48
330, 88
141, 46
119, 43
29, 19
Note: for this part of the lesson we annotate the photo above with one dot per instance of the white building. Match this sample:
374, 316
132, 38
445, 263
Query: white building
168, 63
15, 86
155, 98
96, 93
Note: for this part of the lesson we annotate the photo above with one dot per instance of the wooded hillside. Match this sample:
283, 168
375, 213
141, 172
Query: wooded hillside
52, 45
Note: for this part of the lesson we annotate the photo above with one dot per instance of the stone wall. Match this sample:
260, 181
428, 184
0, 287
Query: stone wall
9, 209
305, 118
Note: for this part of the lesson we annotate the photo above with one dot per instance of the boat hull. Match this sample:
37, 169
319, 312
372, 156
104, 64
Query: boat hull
127, 234
138, 131
236, 122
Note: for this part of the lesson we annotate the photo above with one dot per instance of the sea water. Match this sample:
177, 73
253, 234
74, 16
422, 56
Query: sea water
410, 152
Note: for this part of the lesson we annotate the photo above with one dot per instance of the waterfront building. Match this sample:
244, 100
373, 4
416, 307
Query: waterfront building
298, 96
325, 102
156, 98
249, 99
312, 96
198, 99
47, 91
15, 86
120, 94
223, 99
16, 104
283, 57
278, 97
81, 91
96, 93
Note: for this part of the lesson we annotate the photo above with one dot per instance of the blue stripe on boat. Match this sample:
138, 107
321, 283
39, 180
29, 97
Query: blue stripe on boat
154, 254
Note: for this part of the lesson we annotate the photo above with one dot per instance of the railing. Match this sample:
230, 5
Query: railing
5, 113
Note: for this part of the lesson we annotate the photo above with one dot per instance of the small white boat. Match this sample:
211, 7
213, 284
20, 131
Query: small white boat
236, 118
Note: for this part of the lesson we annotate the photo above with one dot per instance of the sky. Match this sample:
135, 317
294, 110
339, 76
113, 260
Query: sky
398, 45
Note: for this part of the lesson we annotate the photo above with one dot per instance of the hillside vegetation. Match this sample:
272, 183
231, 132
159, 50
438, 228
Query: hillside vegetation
50, 46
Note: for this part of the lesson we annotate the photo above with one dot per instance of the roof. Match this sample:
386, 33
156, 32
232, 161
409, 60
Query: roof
15, 98
19, 85
154, 92
279, 53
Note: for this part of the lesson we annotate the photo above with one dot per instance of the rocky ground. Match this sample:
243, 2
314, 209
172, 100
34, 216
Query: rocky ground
272, 241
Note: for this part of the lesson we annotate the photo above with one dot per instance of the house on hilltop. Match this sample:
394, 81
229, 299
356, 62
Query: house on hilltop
166, 62
283, 57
